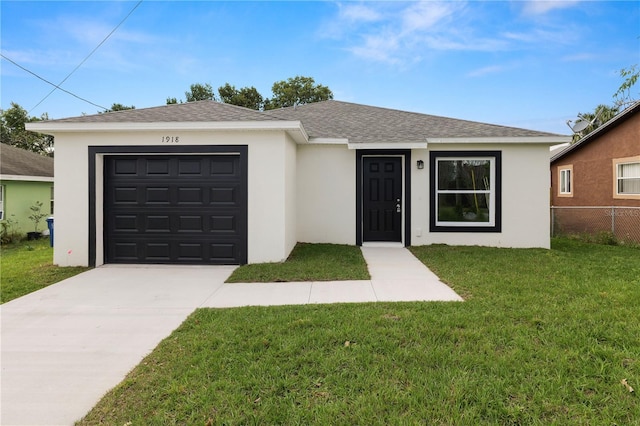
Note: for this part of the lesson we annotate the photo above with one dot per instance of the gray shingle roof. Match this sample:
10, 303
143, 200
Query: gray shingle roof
328, 119
200, 111
16, 161
368, 124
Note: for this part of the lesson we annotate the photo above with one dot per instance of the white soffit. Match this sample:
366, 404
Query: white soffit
329, 141
294, 128
27, 178
549, 140
389, 145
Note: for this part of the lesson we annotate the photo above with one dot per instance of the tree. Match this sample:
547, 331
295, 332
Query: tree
297, 91
120, 107
171, 101
603, 113
12, 131
623, 96
247, 97
117, 107
200, 92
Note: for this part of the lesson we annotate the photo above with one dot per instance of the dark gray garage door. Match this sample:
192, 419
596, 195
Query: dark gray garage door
175, 209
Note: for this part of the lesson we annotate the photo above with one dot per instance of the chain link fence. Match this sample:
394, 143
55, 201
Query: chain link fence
623, 223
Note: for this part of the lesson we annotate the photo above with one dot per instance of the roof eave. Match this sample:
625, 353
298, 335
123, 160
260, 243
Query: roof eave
387, 145
293, 128
545, 140
27, 178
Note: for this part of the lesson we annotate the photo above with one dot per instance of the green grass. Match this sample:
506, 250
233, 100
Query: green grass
308, 262
545, 337
28, 266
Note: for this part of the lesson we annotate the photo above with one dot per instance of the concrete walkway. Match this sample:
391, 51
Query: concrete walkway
66, 345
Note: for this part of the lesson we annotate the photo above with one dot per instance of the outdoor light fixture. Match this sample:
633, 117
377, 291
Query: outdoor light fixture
420, 164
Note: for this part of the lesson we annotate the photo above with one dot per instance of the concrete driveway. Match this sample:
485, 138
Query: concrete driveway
66, 345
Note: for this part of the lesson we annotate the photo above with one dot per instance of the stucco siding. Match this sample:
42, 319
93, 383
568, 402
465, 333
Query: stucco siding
290, 191
267, 209
525, 200
71, 220
326, 194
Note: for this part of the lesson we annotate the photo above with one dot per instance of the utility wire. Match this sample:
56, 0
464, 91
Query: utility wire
85, 59
48, 82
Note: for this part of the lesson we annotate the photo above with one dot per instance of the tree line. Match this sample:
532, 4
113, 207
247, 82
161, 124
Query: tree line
294, 91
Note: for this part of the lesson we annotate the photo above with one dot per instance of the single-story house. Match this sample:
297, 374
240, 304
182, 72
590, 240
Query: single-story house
25, 179
207, 182
595, 183
602, 168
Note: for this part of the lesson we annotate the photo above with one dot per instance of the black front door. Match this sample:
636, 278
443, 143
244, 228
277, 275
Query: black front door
382, 199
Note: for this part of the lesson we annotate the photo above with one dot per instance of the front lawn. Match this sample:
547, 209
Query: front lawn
308, 262
544, 337
28, 266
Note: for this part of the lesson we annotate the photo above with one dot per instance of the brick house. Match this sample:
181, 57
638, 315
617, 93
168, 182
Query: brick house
595, 183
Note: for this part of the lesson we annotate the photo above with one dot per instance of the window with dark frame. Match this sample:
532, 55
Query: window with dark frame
465, 191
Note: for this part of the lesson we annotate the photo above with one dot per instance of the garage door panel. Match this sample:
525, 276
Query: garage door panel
157, 251
224, 195
226, 224
189, 195
224, 166
190, 224
157, 224
190, 167
125, 166
125, 195
175, 210
158, 195
157, 167
223, 251
125, 251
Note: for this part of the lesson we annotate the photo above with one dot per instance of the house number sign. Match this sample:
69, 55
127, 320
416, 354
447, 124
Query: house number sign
171, 139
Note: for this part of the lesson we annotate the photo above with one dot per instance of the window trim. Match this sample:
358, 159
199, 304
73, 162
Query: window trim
494, 226
616, 162
565, 168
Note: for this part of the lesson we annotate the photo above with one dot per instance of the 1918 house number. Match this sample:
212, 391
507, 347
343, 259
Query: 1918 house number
171, 139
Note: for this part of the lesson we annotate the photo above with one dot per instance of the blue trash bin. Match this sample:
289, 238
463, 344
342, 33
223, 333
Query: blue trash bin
50, 226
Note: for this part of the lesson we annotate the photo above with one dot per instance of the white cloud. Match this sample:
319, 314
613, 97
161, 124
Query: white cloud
424, 15
491, 69
358, 13
392, 31
578, 57
540, 7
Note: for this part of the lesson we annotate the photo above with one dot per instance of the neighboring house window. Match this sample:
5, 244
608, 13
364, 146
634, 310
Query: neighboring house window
465, 191
565, 181
627, 177
1, 202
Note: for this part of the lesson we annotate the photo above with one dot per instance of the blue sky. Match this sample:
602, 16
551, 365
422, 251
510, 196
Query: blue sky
531, 64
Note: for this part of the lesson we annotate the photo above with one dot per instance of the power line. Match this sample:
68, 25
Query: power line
87, 57
48, 82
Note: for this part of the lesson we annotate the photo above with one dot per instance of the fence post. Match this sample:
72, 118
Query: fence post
553, 222
613, 220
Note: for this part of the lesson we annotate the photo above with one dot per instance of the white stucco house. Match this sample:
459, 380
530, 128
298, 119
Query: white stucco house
211, 183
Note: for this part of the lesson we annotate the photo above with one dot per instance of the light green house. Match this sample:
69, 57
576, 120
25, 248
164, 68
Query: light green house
25, 179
